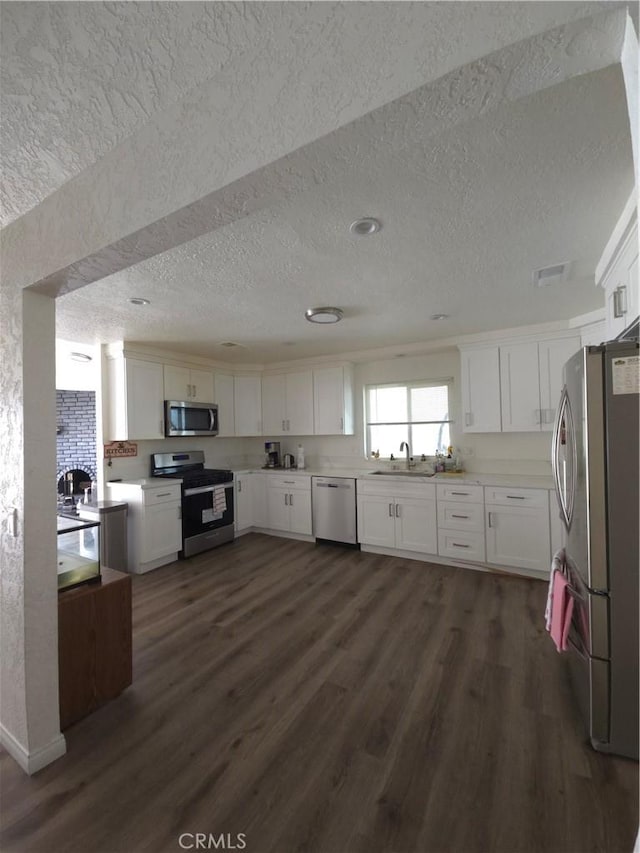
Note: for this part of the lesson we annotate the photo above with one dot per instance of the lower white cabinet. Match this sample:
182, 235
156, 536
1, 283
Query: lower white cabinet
289, 503
461, 522
154, 522
403, 518
517, 528
243, 500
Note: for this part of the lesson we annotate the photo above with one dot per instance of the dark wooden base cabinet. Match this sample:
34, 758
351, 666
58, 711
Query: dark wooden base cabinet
94, 644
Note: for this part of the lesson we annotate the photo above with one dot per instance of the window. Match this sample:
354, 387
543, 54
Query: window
416, 412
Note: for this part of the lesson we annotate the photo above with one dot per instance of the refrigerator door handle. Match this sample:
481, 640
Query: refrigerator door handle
563, 436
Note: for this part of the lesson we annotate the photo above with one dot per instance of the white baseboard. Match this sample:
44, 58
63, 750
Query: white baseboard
31, 762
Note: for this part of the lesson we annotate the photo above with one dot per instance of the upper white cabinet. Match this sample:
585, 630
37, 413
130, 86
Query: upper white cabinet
135, 392
184, 383
531, 381
224, 397
247, 405
617, 271
480, 383
287, 403
333, 400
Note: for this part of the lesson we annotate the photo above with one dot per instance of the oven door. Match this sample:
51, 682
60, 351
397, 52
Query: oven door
206, 508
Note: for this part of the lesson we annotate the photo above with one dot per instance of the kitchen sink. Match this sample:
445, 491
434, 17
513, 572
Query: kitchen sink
403, 473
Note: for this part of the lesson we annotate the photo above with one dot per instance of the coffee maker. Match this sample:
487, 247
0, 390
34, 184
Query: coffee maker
272, 451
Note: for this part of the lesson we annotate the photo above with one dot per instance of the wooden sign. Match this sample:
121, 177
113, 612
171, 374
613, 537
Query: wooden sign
120, 449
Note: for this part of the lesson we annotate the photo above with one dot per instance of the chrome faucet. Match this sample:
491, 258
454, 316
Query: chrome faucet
405, 446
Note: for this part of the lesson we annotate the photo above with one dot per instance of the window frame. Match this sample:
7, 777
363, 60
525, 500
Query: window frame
408, 386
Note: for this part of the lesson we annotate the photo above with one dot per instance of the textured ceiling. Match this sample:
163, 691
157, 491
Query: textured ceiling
486, 172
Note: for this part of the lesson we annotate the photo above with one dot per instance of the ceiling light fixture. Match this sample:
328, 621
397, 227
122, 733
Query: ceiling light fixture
138, 300
323, 315
365, 226
79, 356
439, 317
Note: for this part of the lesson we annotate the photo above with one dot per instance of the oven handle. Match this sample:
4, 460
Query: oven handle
201, 490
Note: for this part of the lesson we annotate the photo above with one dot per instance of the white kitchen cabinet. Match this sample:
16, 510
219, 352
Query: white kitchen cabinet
531, 382
289, 503
154, 525
259, 498
247, 405
461, 522
287, 403
399, 516
517, 528
243, 500
333, 400
617, 272
224, 397
480, 384
192, 385
135, 394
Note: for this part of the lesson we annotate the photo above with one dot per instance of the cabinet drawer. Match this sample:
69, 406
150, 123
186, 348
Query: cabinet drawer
397, 489
516, 497
460, 493
291, 482
460, 516
461, 544
161, 495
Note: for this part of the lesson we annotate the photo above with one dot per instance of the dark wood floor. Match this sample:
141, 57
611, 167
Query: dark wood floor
319, 699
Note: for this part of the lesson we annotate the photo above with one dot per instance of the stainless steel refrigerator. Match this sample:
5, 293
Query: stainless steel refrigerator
595, 464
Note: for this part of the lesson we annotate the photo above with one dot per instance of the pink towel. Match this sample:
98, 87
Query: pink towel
561, 612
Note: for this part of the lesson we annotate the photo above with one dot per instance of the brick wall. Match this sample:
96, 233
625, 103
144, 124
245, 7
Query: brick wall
76, 436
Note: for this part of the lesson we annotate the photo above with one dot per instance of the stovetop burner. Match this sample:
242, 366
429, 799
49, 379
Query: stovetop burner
189, 467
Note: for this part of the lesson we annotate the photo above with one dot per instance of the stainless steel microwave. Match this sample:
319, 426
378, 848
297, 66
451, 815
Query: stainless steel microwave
188, 418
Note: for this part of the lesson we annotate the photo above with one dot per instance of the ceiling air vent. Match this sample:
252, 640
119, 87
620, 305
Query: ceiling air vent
551, 275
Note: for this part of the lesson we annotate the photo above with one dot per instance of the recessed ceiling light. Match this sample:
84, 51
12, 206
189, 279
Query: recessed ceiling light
323, 315
79, 356
229, 344
138, 300
439, 317
365, 226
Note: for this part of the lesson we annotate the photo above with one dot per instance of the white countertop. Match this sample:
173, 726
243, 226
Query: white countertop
146, 482
524, 481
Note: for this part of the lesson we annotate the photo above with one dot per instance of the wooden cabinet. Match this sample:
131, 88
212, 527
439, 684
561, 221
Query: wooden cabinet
399, 516
617, 272
480, 385
517, 528
183, 383
289, 503
333, 400
531, 382
94, 644
247, 405
287, 403
224, 398
154, 522
135, 399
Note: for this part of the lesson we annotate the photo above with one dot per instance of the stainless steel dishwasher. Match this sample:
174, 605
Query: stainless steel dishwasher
334, 509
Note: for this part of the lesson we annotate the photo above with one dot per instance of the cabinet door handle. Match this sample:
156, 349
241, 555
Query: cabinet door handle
390, 510
288, 425
459, 545
341, 424
286, 500
516, 497
180, 511
460, 493
164, 495
195, 390
620, 301
239, 486
283, 425
458, 516
397, 510
489, 524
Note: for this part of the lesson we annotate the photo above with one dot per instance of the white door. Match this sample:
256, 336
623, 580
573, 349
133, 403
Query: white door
328, 401
176, 382
248, 405
299, 403
480, 380
520, 388
277, 509
273, 405
552, 357
243, 501
145, 399
518, 537
224, 398
300, 512
376, 520
163, 531
416, 526
201, 382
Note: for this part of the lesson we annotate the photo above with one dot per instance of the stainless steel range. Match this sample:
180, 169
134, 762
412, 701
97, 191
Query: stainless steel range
207, 499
